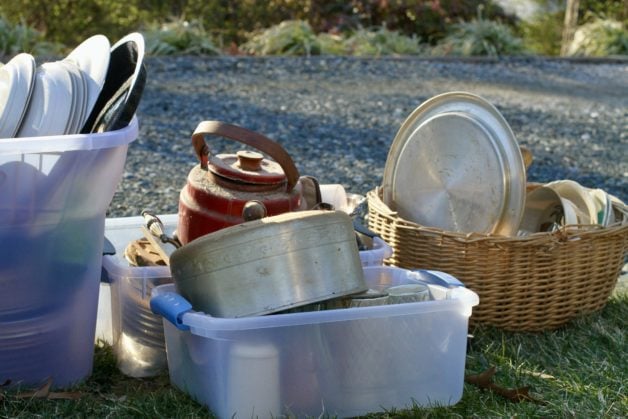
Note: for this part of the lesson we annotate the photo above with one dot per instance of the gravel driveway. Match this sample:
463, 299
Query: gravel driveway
337, 117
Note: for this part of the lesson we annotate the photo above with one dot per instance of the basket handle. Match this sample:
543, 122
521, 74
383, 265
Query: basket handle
375, 199
527, 156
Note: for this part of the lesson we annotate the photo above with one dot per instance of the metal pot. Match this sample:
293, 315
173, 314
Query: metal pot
225, 189
269, 265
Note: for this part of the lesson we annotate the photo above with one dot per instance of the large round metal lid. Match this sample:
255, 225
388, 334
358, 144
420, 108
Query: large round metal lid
455, 164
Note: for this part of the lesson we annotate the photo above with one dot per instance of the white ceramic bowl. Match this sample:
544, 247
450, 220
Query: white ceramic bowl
545, 209
603, 206
579, 196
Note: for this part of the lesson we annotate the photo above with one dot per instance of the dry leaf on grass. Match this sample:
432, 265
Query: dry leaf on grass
484, 381
44, 392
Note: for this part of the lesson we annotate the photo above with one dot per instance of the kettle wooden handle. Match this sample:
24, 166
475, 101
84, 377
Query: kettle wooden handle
244, 136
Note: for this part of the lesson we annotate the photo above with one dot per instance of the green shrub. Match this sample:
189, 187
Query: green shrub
69, 22
607, 9
297, 37
291, 37
426, 19
179, 37
234, 20
480, 38
380, 42
599, 38
331, 44
21, 38
543, 33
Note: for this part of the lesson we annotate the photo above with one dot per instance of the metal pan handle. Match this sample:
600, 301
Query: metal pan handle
244, 136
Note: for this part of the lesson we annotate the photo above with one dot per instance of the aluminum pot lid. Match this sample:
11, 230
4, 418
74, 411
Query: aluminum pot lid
269, 265
259, 231
455, 164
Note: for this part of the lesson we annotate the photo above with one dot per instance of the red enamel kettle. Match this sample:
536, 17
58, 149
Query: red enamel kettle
228, 189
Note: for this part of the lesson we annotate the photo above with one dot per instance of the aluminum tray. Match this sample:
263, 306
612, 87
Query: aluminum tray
455, 164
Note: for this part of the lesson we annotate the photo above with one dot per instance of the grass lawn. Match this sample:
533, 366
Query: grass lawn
577, 371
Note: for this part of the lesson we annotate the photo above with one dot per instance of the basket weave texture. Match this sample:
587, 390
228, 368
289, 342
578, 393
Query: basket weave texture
533, 283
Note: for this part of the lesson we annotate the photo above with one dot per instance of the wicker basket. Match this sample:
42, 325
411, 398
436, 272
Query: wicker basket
533, 283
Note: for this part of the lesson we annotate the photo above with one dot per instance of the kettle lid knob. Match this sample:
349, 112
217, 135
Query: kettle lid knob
249, 160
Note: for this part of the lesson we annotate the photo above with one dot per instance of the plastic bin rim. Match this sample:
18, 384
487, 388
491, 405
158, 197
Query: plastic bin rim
203, 324
116, 269
134, 221
73, 142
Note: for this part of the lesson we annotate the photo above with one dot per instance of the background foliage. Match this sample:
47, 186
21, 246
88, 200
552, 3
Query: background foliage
212, 26
15, 38
68, 21
480, 37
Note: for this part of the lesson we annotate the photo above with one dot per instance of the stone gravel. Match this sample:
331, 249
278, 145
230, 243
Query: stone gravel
337, 116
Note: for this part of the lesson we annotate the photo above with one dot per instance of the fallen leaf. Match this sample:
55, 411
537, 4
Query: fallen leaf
44, 392
64, 395
484, 381
515, 394
541, 375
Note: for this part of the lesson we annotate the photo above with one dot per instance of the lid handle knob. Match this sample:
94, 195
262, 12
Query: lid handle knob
250, 160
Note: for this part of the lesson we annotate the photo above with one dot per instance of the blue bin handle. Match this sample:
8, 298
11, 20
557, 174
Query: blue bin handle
172, 307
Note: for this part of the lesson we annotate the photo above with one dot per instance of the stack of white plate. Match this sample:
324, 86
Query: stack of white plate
16, 84
54, 98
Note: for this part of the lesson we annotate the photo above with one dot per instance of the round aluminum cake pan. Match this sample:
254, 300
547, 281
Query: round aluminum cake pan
455, 164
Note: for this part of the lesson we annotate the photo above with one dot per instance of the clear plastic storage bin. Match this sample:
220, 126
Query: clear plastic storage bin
376, 255
124, 317
54, 193
136, 334
343, 362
